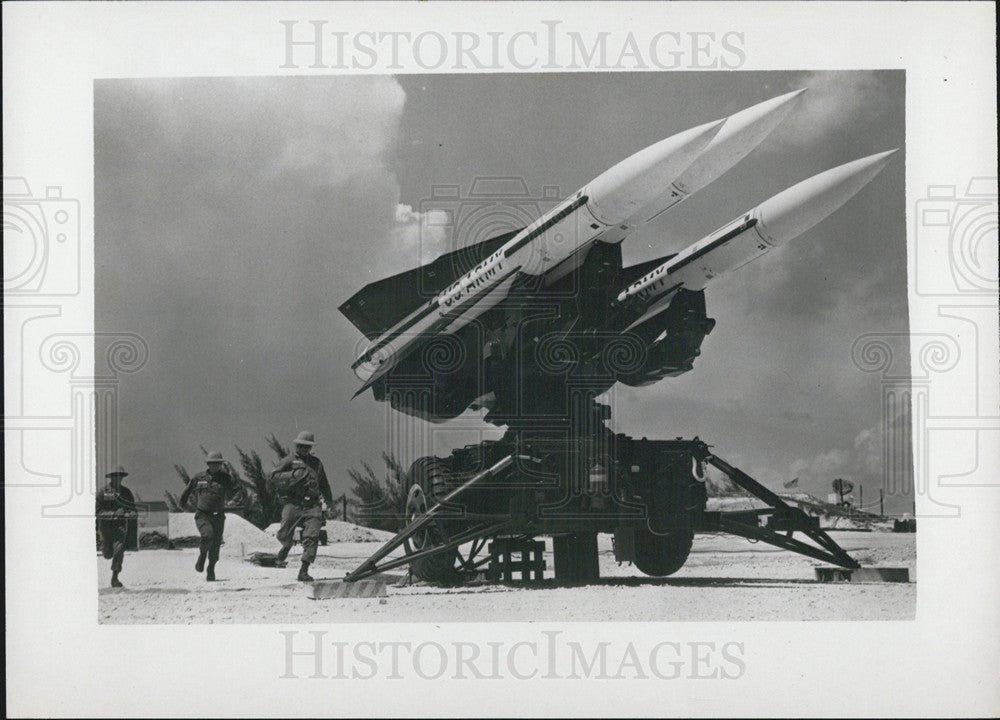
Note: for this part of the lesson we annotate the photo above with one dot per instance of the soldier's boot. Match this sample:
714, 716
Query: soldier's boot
210, 575
283, 553
115, 582
200, 565
304, 575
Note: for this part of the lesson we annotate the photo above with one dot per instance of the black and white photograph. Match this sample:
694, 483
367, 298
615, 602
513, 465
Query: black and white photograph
534, 343
443, 358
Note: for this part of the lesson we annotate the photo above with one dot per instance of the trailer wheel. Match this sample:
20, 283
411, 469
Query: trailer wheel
426, 481
662, 555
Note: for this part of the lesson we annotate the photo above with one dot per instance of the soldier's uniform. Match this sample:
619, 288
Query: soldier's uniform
209, 490
114, 510
301, 483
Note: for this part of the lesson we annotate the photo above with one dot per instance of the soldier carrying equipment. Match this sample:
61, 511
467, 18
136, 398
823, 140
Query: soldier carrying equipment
209, 489
301, 484
115, 509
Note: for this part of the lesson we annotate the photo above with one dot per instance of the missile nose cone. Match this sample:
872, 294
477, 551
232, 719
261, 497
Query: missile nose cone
740, 134
882, 157
793, 211
619, 191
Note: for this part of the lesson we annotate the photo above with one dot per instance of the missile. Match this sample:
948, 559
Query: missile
754, 233
741, 133
618, 192
605, 202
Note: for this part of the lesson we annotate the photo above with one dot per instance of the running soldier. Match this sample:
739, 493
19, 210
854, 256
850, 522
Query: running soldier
301, 484
209, 489
114, 511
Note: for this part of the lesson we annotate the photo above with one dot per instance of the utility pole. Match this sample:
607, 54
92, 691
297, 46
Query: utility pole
881, 502
861, 502
343, 504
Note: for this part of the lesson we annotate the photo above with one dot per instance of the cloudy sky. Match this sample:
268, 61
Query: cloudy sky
233, 216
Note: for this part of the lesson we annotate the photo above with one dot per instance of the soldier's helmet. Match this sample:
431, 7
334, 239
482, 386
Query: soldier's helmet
214, 456
119, 471
305, 438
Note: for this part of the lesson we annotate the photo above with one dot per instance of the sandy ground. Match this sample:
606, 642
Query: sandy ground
725, 578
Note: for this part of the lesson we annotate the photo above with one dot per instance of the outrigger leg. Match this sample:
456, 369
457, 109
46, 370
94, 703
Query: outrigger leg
782, 517
371, 566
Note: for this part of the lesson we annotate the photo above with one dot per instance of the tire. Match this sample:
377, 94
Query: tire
662, 555
428, 480
435, 481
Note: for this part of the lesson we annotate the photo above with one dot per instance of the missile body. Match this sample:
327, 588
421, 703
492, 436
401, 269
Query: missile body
754, 233
542, 245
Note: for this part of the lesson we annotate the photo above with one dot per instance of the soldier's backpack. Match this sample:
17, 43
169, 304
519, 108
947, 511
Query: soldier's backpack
298, 484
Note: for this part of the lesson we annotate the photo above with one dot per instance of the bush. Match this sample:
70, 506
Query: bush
253, 499
381, 503
153, 540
